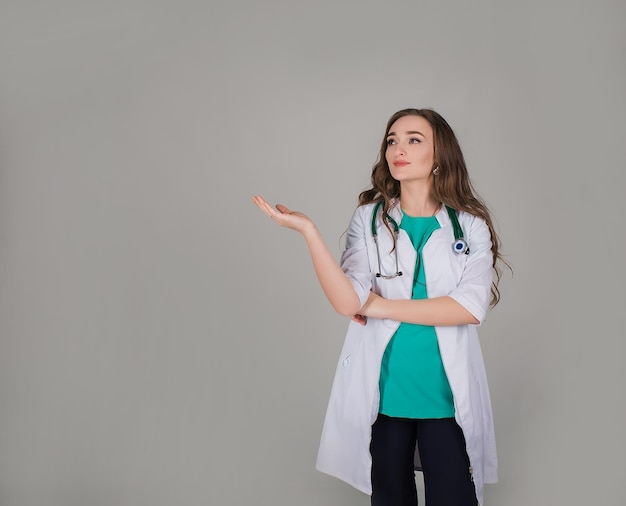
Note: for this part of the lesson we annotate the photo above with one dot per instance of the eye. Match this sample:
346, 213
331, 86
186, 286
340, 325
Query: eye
414, 140
391, 142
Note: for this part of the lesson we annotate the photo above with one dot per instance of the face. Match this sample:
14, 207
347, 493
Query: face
410, 149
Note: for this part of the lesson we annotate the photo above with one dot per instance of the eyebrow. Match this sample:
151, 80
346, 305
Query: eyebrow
410, 132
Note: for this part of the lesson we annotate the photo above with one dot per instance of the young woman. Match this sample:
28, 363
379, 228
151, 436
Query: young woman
416, 277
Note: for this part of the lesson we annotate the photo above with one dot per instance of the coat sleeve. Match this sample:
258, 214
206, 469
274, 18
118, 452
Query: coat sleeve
354, 259
474, 289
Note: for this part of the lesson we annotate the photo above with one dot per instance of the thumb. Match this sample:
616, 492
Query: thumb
283, 209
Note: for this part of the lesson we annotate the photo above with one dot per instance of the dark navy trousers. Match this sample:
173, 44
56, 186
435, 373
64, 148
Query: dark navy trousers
446, 468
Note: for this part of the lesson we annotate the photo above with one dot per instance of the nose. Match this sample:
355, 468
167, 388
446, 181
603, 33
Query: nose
399, 150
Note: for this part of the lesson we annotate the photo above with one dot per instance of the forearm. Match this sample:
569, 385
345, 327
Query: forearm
439, 311
334, 282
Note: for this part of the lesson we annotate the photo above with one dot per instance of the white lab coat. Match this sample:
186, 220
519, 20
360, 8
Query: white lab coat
354, 399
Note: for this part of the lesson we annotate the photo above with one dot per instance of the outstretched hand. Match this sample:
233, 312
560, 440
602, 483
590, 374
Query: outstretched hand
284, 216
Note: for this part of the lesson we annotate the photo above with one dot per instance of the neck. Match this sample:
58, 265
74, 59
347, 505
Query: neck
418, 201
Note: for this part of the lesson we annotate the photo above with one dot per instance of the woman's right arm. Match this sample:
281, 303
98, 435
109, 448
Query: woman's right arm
336, 285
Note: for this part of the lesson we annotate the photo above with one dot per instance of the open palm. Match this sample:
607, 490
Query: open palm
284, 216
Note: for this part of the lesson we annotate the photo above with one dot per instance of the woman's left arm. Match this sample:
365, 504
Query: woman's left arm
439, 311
466, 304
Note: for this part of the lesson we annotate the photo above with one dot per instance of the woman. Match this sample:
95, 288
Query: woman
416, 277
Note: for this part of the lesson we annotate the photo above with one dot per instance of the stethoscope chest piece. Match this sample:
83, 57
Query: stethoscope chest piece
460, 246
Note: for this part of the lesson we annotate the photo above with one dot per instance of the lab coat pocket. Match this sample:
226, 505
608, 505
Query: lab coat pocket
358, 370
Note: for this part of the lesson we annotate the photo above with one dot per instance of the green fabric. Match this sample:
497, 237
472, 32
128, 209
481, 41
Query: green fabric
413, 383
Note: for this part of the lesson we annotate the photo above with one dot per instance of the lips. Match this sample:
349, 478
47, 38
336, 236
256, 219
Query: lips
400, 163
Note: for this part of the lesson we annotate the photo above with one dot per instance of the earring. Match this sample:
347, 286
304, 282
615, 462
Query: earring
436, 171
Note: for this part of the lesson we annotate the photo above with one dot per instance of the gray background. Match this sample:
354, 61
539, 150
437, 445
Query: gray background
162, 342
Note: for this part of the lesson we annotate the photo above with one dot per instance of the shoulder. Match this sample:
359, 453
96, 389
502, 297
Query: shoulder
476, 231
366, 208
470, 219
364, 212
359, 222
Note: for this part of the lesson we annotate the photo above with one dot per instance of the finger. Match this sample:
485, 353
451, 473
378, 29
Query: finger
260, 202
360, 319
265, 207
284, 209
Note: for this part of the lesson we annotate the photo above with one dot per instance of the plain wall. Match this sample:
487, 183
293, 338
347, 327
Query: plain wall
162, 342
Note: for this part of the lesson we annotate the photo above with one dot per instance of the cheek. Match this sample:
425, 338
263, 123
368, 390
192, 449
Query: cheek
430, 156
426, 158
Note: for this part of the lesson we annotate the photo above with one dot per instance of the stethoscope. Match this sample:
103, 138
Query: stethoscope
459, 246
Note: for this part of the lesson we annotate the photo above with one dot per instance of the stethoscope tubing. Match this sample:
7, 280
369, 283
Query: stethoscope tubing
459, 246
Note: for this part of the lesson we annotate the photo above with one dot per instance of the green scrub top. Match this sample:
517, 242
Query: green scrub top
413, 382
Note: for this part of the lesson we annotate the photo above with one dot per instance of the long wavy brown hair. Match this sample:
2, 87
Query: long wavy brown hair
451, 186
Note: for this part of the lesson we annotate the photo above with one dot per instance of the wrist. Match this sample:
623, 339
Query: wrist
374, 306
310, 231
379, 307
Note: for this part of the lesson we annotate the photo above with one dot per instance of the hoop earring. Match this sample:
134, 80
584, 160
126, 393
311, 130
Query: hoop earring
436, 171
